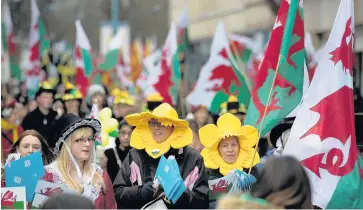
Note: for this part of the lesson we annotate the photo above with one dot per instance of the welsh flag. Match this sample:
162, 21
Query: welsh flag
111, 72
183, 40
84, 65
113, 53
219, 77
166, 78
38, 44
8, 43
279, 83
323, 134
241, 46
151, 66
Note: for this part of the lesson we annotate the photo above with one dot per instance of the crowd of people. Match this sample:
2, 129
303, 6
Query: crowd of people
206, 147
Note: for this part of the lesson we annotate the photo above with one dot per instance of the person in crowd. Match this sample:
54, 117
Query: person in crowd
97, 95
68, 201
280, 134
158, 133
43, 117
152, 101
235, 107
117, 155
228, 146
10, 128
283, 182
31, 141
123, 104
200, 118
72, 100
75, 165
22, 96
244, 201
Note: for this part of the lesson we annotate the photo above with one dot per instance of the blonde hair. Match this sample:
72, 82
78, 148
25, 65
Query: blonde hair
65, 164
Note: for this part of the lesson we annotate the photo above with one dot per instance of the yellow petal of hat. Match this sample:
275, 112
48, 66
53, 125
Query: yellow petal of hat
155, 97
228, 125
141, 137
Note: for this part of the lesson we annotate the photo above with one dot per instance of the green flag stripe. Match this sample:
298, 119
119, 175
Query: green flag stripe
111, 59
290, 20
87, 59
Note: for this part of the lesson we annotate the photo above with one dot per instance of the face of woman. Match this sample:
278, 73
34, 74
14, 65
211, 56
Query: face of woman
159, 132
124, 135
72, 106
228, 149
28, 145
99, 99
82, 143
201, 115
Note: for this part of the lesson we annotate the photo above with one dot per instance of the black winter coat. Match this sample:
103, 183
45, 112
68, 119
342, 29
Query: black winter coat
128, 195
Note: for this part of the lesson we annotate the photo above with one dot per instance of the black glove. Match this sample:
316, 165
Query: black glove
147, 191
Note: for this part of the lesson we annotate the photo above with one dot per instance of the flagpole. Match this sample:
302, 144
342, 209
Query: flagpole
240, 66
284, 53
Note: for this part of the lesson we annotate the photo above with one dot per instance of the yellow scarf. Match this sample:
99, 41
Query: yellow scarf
5, 126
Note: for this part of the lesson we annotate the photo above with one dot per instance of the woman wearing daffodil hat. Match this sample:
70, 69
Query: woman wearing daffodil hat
158, 133
228, 146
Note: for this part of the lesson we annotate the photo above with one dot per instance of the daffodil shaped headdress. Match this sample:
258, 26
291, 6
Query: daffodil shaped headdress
141, 137
228, 125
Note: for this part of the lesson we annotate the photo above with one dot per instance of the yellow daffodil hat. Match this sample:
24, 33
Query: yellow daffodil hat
228, 125
141, 137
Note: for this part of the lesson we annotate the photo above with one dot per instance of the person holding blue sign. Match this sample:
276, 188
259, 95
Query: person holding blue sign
160, 133
75, 165
229, 147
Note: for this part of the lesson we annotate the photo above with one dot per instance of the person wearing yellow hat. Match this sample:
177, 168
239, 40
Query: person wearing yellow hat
43, 117
72, 100
154, 100
123, 104
228, 146
235, 107
158, 133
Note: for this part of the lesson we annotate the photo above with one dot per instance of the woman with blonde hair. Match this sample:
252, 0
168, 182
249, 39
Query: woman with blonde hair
75, 166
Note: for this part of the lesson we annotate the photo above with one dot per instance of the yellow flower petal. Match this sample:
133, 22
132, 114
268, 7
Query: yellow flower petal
209, 135
249, 136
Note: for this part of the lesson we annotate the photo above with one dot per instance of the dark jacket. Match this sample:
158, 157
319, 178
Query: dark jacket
44, 124
128, 194
112, 166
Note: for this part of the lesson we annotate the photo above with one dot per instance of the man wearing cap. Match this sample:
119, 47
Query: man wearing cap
43, 117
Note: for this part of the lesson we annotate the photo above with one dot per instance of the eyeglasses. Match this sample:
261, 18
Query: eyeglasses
125, 133
154, 123
84, 140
